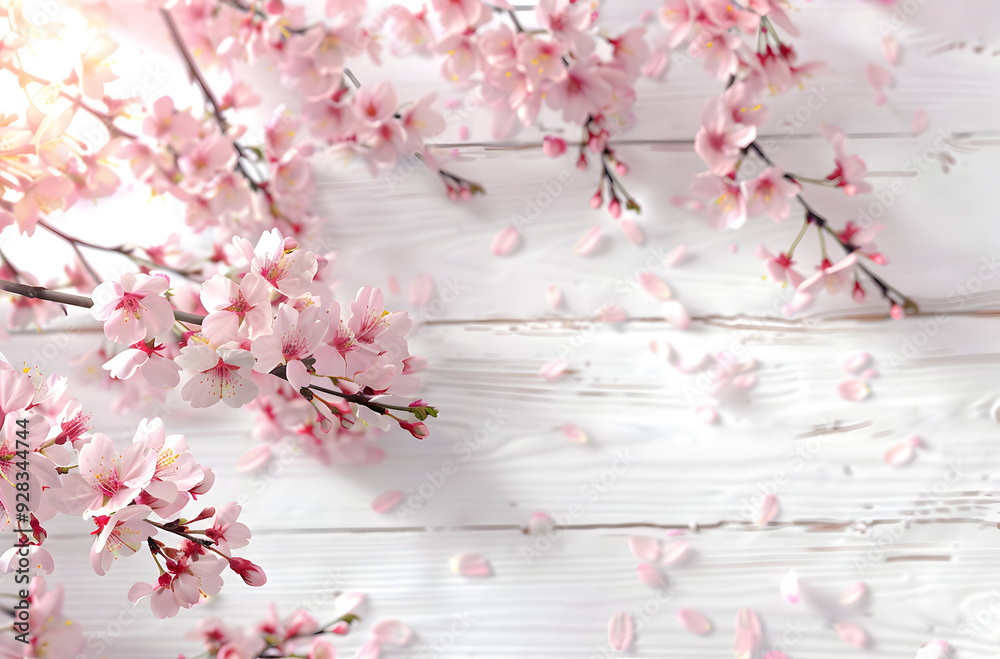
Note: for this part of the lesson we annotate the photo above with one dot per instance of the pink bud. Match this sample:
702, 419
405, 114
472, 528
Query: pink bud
878, 258
859, 293
418, 430
597, 200
595, 143
252, 574
581, 162
465, 194
615, 208
340, 628
290, 243
553, 147
274, 7
896, 312
621, 168
452, 194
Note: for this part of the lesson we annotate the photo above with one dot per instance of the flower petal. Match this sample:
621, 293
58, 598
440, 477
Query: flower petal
588, 242
674, 552
505, 241
554, 369
768, 510
747, 634
540, 524
644, 547
852, 634
650, 575
853, 390
676, 314
554, 296
470, 565
919, 122
674, 256
421, 289
790, 589
620, 631
574, 434
386, 501
655, 286
857, 362
853, 594
694, 622
632, 232
890, 48
392, 632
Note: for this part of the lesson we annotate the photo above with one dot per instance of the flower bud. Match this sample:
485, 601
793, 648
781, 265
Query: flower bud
251, 574
418, 430
615, 208
597, 200
553, 147
896, 312
621, 168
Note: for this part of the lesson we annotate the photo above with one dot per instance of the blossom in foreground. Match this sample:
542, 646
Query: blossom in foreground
108, 480
133, 309
122, 534
217, 375
145, 359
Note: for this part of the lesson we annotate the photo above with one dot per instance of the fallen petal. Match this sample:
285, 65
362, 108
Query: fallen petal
768, 510
857, 362
386, 501
868, 374
370, 650
471, 565
540, 524
553, 370
588, 242
644, 547
890, 48
919, 123
610, 313
632, 232
505, 241
676, 314
747, 634
655, 286
421, 289
853, 390
878, 80
852, 634
674, 552
554, 296
790, 589
853, 594
899, 454
620, 631
674, 256
392, 632
649, 575
694, 622
574, 434
255, 458
935, 650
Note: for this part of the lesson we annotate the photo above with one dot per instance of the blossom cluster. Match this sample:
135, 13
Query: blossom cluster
271, 337
51, 463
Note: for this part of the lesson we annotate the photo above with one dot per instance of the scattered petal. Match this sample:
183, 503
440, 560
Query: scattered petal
386, 501
900, 453
255, 458
775, 655
554, 296
852, 634
935, 650
857, 362
674, 552
733, 248
878, 80
505, 241
745, 381
392, 632
632, 232
674, 256
650, 575
868, 374
370, 650
540, 524
919, 123
853, 594
676, 314
470, 565
747, 634
553, 370
421, 289
610, 313
588, 242
854, 390
574, 434
768, 510
790, 588
890, 48
644, 547
653, 285
620, 631
694, 622
707, 415
393, 284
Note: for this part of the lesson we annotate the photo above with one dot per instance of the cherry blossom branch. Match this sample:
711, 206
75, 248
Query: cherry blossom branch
215, 106
42, 293
822, 224
127, 251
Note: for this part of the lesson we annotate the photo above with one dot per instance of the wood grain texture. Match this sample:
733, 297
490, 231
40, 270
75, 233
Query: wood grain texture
923, 536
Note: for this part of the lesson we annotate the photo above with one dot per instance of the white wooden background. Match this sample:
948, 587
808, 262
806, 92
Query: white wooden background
923, 536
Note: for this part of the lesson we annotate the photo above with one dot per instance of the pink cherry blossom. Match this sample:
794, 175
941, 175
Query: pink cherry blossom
133, 309
768, 193
122, 534
720, 140
851, 170
147, 361
289, 271
107, 480
217, 375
